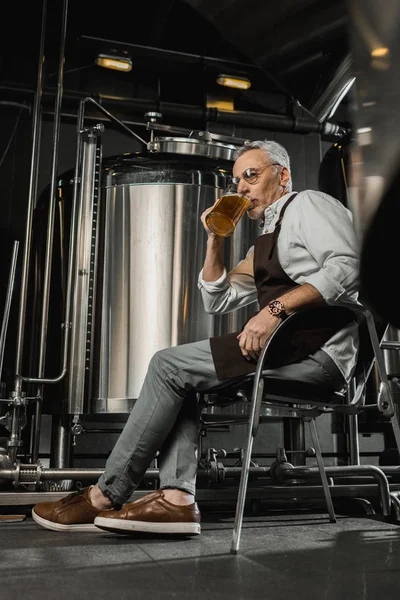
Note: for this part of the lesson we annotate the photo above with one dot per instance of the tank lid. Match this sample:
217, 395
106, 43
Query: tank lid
199, 143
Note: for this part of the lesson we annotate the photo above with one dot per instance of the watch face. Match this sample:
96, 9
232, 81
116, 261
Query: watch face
276, 307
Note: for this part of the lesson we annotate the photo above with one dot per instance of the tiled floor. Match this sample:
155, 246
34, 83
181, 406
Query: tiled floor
282, 556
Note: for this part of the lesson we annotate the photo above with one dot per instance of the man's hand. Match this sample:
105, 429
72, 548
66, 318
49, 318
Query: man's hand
203, 220
256, 332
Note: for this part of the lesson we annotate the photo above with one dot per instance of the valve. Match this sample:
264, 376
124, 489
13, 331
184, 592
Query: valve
216, 469
152, 117
76, 429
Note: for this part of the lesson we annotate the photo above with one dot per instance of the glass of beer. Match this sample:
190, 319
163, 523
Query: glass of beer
227, 212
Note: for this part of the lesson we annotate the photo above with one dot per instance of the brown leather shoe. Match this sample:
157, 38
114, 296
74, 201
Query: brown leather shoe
75, 512
152, 514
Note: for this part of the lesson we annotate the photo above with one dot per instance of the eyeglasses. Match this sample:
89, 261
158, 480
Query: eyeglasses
251, 175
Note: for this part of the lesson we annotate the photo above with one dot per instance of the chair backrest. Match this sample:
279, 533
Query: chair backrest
366, 352
366, 359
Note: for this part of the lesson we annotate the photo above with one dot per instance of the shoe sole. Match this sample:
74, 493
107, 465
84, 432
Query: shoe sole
84, 527
118, 525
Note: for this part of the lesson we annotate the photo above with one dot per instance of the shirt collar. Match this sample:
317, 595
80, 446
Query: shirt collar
272, 211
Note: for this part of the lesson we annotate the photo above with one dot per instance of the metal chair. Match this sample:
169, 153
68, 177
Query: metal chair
308, 401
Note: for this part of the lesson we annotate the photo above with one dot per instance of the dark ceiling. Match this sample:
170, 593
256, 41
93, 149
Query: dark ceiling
289, 49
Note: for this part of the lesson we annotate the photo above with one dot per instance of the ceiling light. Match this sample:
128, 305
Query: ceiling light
233, 81
118, 63
381, 51
220, 103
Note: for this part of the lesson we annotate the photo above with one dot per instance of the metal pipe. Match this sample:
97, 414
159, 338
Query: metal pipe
36, 427
385, 345
48, 474
60, 450
49, 239
50, 225
354, 445
115, 119
15, 434
71, 258
86, 249
71, 251
297, 472
375, 472
15, 104
36, 127
7, 305
395, 501
295, 439
273, 122
352, 435
25, 473
100, 118
241, 118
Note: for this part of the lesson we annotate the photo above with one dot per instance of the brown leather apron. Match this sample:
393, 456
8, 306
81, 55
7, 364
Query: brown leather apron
302, 336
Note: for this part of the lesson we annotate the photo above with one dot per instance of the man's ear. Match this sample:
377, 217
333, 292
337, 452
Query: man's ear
284, 176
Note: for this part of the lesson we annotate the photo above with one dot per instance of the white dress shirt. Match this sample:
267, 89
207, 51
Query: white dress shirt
317, 244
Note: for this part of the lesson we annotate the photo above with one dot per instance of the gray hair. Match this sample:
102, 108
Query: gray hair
273, 151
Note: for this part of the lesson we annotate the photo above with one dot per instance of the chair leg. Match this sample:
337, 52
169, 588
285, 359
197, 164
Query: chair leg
324, 480
244, 476
237, 528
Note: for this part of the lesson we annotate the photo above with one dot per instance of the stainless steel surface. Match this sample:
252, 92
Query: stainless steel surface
84, 279
153, 247
6, 463
80, 186
193, 147
7, 303
185, 133
60, 450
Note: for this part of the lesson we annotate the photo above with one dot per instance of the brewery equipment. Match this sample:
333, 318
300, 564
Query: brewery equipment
139, 248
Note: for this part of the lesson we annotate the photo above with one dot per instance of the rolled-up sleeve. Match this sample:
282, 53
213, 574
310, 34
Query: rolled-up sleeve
232, 290
327, 232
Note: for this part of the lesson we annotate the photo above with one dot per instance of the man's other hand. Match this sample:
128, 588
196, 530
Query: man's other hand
256, 332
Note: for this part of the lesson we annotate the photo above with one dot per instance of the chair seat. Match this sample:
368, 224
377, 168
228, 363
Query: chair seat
279, 390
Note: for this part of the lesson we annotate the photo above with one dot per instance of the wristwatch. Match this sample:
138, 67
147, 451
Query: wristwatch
277, 309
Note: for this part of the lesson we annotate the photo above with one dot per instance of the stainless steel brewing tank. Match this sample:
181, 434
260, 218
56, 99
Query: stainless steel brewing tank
152, 247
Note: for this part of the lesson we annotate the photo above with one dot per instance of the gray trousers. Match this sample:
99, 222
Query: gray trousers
165, 417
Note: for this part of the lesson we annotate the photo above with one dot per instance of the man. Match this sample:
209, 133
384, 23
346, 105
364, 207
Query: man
306, 258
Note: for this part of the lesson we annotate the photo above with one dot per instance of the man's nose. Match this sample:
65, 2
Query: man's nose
242, 186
